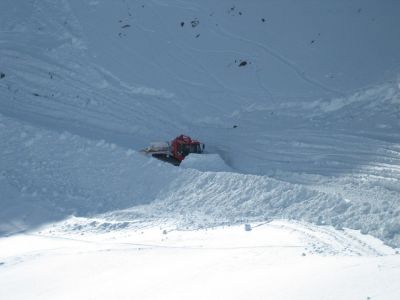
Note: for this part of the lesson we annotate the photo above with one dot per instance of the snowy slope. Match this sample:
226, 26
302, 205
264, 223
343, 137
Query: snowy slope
298, 105
109, 71
49, 176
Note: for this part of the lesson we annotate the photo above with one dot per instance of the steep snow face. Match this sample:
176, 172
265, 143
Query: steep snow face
47, 176
298, 104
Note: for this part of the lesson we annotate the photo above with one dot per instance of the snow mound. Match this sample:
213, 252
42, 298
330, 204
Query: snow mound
205, 162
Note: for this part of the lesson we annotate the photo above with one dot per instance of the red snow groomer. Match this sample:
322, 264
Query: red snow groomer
176, 150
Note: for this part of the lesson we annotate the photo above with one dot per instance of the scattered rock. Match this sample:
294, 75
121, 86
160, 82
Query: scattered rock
247, 227
126, 26
263, 20
312, 42
164, 231
359, 10
195, 23
35, 94
234, 126
234, 12
242, 63
2, 75
1, 263
197, 35
182, 24
303, 254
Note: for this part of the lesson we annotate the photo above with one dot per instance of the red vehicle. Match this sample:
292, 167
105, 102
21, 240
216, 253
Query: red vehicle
176, 150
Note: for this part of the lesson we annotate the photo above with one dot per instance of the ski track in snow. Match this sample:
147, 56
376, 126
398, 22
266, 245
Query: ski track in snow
314, 240
283, 60
327, 241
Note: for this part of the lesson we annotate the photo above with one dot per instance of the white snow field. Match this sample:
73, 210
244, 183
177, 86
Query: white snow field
279, 260
296, 197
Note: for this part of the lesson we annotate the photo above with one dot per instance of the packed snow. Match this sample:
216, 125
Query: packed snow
295, 197
279, 260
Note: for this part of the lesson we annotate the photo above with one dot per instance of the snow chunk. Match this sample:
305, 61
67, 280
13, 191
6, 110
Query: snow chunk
205, 162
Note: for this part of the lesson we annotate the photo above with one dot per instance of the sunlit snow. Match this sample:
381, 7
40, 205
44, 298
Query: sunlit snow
295, 197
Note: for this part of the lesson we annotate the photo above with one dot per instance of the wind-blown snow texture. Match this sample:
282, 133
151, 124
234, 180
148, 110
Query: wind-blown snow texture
298, 104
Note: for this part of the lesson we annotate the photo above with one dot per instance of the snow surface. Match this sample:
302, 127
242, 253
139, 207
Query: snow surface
298, 105
205, 162
280, 260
